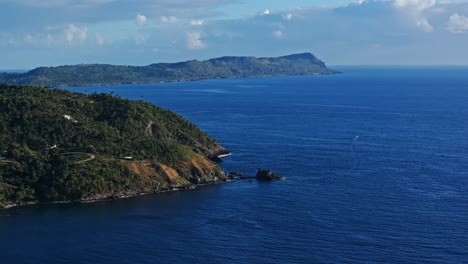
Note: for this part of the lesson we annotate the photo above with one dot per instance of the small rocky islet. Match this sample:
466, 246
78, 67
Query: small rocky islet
262, 175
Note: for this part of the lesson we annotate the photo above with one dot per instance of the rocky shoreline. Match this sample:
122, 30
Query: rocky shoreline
262, 175
110, 197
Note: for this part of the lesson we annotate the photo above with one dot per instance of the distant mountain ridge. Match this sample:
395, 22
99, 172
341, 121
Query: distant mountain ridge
217, 68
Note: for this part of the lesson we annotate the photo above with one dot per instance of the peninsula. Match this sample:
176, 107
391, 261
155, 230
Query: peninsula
57, 145
218, 68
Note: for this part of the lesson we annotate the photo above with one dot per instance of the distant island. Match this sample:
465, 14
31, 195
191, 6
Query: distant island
218, 68
57, 145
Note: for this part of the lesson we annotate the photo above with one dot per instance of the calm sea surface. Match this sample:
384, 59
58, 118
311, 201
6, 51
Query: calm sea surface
376, 161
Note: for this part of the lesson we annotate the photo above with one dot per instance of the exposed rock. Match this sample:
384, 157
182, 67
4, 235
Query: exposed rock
267, 175
217, 153
235, 175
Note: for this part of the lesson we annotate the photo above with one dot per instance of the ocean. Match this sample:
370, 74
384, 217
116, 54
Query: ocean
376, 161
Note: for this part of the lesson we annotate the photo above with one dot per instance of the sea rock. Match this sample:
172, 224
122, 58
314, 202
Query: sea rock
217, 153
239, 176
267, 175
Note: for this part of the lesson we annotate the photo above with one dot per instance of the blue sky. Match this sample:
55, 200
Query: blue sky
139, 32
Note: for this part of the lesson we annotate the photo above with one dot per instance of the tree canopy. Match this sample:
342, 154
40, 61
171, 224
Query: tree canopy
224, 67
60, 145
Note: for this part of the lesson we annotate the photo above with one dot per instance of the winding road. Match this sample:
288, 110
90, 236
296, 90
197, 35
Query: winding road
90, 156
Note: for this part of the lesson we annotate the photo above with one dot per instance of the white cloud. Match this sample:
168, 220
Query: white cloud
415, 4
288, 16
197, 22
458, 23
415, 9
169, 19
278, 33
141, 20
75, 34
424, 24
39, 39
266, 12
194, 41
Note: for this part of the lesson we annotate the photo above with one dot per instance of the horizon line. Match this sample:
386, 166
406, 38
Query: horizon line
19, 70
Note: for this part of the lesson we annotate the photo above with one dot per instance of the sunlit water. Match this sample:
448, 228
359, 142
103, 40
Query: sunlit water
376, 166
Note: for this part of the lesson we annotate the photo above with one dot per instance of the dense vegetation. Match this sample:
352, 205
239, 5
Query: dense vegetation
59, 145
225, 67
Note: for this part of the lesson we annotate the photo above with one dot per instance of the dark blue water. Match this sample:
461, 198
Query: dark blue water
376, 162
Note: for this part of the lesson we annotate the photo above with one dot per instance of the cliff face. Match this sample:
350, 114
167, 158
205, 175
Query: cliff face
224, 67
57, 145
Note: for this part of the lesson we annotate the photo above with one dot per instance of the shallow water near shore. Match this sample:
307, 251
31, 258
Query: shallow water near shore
376, 167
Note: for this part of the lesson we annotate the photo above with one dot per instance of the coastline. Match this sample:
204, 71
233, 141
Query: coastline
61, 86
219, 152
110, 197
191, 80
226, 67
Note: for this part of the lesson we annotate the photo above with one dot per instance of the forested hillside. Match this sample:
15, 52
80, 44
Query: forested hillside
58, 145
224, 67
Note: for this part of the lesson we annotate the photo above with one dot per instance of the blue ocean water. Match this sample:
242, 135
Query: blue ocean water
376, 161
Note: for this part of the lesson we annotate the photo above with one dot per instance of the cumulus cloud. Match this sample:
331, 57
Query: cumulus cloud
415, 4
288, 16
169, 19
75, 34
278, 33
415, 9
424, 24
39, 39
194, 41
458, 23
141, 20
197, 22
266, 12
